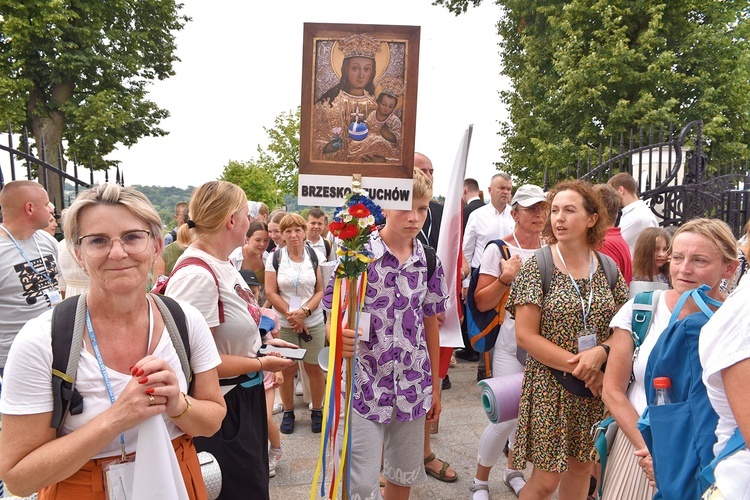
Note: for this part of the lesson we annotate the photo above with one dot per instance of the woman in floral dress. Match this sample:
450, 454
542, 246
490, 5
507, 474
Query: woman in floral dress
554, 424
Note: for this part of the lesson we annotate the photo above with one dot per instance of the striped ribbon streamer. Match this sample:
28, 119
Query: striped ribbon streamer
332, 400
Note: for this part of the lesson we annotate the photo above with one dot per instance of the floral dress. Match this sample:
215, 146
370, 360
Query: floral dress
554, 424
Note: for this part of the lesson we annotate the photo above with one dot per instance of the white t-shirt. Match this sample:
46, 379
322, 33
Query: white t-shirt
725, 341
296, 278
484, 225
320, 246
238, 334
27, 385
635, 218
491, 265
659, 322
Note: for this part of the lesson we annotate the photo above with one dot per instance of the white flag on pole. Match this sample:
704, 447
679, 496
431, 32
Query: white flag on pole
449, 244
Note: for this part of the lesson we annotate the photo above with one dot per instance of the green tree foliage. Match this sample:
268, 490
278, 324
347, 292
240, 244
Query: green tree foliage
586, 70
164, 199
77, 71
281, 156
277, 165
258, 183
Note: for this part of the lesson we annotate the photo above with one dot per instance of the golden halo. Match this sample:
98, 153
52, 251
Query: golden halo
382, 59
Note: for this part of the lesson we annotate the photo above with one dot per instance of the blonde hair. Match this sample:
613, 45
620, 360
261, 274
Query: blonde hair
109, 194
714, 230
422, 185
210, 206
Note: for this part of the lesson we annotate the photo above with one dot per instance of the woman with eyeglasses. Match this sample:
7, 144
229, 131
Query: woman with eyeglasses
128, 369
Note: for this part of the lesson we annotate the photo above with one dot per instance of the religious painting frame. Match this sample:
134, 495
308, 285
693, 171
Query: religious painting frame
358, 114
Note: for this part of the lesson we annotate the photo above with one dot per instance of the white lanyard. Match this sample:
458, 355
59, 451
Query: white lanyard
523, 254
299, 270
426, 236
575, 285
45, 274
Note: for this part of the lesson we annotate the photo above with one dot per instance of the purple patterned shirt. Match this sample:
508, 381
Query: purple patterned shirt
393, 374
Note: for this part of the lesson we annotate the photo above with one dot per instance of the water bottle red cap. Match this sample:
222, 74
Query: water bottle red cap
662, 383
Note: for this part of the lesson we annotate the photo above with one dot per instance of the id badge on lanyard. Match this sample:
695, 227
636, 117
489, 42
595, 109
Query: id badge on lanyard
117, 475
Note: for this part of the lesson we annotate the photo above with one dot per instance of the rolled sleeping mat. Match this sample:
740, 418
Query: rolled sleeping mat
501, 397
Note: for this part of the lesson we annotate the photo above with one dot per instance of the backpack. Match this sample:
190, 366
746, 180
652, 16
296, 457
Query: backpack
483, 327
326, 244
680, 436
160, 288
644, 305
546, 266
68, 325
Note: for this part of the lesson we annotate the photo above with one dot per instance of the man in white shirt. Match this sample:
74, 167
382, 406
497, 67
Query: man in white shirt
491, 221
316, 221
636, 215
28, 260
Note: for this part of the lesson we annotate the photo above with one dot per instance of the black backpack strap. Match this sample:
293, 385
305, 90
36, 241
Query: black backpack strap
546, 265
610, 269
504, 250
174, 319
327, 244
68, 324
313, 258
431, 257
276, 258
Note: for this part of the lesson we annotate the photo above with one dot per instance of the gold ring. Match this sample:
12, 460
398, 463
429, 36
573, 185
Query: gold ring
151, 400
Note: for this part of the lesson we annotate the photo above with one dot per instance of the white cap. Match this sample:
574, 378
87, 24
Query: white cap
528, 195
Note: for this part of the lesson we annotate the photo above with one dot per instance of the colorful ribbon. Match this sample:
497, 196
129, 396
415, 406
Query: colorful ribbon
332, 400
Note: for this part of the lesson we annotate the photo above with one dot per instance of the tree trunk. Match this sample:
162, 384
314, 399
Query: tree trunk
47, 126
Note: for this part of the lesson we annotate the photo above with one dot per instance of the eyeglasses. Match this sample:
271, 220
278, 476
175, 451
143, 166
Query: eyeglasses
534, 209
98, 245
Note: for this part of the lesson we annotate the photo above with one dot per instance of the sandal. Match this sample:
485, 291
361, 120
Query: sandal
287, 422
440, 476
479, 487
513, 475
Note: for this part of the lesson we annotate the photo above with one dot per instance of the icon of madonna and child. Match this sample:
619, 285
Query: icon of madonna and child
358, 118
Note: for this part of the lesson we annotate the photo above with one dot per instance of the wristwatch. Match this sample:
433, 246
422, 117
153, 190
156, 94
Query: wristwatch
606, 349
309, 312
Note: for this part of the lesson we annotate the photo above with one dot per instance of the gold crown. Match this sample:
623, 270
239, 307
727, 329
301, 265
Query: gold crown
392, 86
360, 46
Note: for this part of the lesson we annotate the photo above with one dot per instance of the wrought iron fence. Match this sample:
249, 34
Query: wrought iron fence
674, 176
22, 164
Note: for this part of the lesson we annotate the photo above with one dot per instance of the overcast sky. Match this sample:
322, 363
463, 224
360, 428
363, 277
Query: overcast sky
241, 65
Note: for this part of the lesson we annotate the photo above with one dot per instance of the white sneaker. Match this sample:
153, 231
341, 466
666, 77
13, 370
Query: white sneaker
278, 408
298, 388
274, 455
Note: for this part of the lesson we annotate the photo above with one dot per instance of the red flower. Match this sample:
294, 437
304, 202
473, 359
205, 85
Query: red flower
359, 211
349, 231
336, 226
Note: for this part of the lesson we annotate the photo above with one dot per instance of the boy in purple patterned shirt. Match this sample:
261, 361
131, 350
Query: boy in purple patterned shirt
396, 383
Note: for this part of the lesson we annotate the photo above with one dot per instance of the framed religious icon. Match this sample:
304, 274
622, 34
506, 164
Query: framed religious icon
359, 107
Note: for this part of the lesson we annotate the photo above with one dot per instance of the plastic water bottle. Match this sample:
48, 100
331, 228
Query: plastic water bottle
662, 386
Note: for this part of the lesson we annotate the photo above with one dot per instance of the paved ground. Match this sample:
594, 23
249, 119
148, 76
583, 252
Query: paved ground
461, 424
